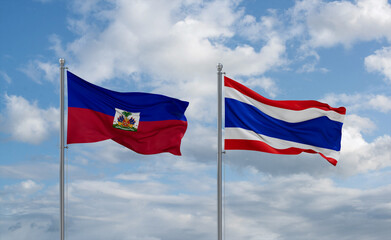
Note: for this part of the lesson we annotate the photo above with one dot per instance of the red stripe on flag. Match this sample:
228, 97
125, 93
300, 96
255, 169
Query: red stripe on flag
86, 126
254, 145
288, 104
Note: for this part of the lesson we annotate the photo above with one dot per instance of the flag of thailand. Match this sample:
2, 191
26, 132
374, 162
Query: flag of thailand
143, 122
253, 122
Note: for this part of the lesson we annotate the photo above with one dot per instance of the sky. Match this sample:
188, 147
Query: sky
338, 52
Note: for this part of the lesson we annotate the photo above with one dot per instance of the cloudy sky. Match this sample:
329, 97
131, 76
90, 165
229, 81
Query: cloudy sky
338, 52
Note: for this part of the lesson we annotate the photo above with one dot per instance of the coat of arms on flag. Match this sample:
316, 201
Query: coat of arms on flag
126, 120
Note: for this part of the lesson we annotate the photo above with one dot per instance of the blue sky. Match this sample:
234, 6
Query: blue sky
338, 52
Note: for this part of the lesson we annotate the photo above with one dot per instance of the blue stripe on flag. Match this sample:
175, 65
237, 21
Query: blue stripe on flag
319, 132
152, 107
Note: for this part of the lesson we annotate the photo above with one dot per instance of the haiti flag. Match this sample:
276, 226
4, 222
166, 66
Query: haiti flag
143, 122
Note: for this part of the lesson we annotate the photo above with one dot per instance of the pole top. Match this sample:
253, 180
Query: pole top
62, 61
219, 67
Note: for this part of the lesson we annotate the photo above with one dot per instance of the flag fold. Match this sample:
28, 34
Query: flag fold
143, 122
253, 122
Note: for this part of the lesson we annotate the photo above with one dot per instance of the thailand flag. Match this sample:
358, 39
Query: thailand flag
143, 122
253, 122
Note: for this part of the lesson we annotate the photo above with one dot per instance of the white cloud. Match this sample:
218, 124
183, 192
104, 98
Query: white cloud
344, 22
360, 102
295, 207
303, 207
183, 200
380, 62
319, 23
311, 67
33, 171
24, 188
267, 84
358, 155
5, 76
178, 46
381, 103
264, 29
244, 60
38, 71
135, 176
26, 122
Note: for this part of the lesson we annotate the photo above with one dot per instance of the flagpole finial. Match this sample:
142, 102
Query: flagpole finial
62, 61
219, 67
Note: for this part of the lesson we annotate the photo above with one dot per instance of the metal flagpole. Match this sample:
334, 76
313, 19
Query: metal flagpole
62, 147
220, 151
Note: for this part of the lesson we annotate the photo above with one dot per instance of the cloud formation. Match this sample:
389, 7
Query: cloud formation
360, 102
344, 22
179, 45
26, 122
380, 62
291, 207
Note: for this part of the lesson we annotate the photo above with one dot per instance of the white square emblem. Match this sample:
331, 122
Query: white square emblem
126, 120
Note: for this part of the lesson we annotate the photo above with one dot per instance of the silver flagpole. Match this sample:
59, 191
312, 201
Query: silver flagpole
219, 155
62, 147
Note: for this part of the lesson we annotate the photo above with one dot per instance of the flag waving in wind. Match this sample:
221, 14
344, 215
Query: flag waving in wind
143, 122
253, 122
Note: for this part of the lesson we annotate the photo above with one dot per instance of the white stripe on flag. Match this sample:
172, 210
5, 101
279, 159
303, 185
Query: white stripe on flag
242, 134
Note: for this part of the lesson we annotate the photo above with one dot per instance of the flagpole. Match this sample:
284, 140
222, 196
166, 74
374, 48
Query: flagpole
62, 147
220, 151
